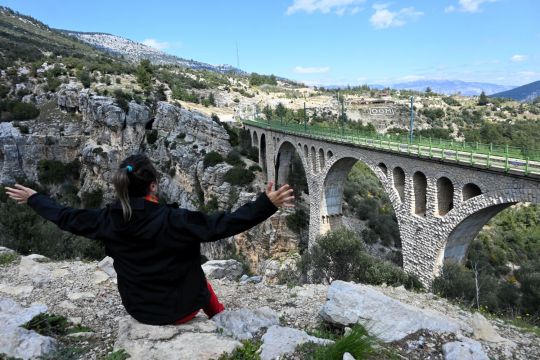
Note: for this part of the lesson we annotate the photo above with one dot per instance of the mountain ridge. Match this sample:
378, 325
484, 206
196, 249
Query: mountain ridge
527, 92
136, 51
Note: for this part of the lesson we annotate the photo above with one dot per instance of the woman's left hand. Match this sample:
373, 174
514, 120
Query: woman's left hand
20, 193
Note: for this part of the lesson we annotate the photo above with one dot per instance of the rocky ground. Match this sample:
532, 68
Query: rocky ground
414, 325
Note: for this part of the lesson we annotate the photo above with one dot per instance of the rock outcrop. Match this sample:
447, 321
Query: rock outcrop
16, 341
384, 317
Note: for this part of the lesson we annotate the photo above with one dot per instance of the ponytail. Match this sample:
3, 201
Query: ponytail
133, 179
121, 184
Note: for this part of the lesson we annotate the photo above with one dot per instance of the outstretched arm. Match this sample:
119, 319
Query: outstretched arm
186, 225
85, 222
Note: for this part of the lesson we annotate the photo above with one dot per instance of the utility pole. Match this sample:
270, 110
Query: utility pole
411, 124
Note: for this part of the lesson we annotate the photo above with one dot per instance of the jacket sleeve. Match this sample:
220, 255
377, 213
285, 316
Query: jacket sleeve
195, 226
84, 222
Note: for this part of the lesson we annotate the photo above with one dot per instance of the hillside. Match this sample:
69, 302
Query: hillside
135, 51
527, 92
25, 38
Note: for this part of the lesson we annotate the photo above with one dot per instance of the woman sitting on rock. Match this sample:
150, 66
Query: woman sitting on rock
156, 248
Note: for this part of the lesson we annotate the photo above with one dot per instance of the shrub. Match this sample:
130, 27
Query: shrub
212, 159
48, 325
56, 172
24, 111
455, 282
340, 255
358, 343
92, 199
8, 258
248, 351
211, 206
255, 168
239, 176
233, 158
84, 77
123, 99
298, 220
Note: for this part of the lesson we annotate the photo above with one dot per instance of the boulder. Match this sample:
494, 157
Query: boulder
243, 324
106, 265
483, 330
384, 317
32, 267
280, 340
348, 356
465, 349
16, 341
219, 269
5, 250
197, 340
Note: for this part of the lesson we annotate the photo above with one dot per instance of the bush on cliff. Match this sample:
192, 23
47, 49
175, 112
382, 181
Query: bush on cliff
239, 176
24, 111
212, 159
340, 255
56, 172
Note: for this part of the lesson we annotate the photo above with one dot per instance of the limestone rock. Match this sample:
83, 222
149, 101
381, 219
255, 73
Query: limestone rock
24, 344
483, 330
106, 265
243, 324
466, 349
32, 268
348, 356
17, 290
280, 340
197, 340
219, 269
5, 250
19, 342
384, 317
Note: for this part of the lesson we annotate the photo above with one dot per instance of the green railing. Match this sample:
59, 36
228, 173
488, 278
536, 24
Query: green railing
504, 157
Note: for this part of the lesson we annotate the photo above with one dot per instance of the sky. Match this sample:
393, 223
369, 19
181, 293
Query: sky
325, 42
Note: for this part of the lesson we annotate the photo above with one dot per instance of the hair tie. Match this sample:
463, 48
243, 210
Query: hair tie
129, 168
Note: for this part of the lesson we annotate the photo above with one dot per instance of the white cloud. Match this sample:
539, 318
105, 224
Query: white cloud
338, 7
449, 9
160, 45
470, 6
518, 58
383, 18
311, 70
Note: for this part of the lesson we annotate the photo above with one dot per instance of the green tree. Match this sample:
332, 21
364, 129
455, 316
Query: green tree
482, 100
280, 111
144, 74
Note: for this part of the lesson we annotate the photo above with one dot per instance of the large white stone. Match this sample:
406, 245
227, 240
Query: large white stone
106, 265
280, 340
32, 268
483, 330
219, 269
16, 341
244, 323
17, 290
466, 349
383, 317
197, 340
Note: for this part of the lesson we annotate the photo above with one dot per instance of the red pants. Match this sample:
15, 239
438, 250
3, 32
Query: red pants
213, 308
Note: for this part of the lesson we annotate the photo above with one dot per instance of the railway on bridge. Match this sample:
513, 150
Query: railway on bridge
442, 192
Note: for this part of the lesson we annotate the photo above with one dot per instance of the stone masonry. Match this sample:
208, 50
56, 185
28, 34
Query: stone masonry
437, 219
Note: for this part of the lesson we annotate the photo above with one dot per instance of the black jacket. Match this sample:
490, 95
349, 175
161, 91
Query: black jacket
157, 253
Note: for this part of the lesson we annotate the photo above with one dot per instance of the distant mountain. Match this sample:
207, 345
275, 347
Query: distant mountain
135, 51
450, 87
526, 92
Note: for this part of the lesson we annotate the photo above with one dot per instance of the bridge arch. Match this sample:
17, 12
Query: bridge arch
445, 195
262, 155
255, 140
465, 221
284, 162
336, 173
399, 182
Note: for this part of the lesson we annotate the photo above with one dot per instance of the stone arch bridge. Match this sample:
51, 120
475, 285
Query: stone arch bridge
441, 197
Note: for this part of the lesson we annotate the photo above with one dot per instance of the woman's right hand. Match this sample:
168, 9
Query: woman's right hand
282, 197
